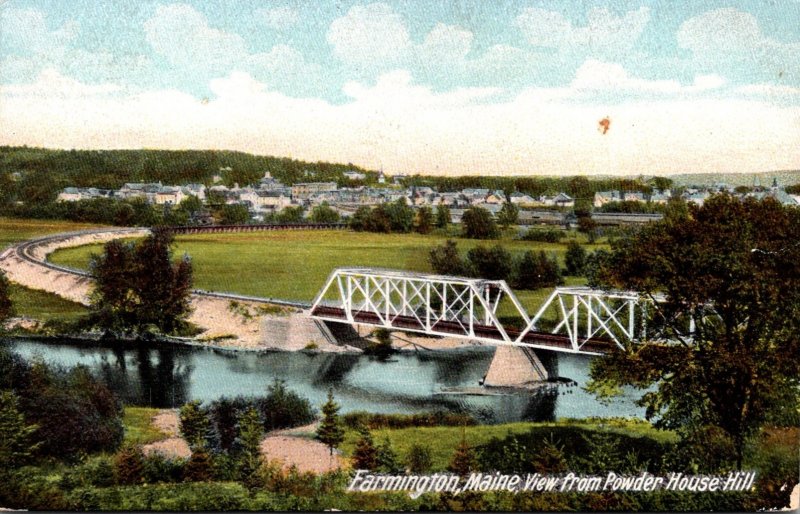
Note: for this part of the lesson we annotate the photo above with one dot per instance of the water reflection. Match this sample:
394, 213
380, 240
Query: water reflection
168, 376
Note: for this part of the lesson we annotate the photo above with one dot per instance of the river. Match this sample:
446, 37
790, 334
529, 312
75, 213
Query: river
168, 376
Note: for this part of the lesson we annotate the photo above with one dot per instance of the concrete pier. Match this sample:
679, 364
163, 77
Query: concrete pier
514, 366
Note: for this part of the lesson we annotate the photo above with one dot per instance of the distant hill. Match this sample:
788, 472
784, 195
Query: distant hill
785, 178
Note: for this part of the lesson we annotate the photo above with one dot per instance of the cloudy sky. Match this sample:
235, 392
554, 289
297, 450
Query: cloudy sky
456, 87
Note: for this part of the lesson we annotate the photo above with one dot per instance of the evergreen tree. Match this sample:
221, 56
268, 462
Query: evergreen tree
16, 436
194, 424
199, 466
464, 460
330, 430
549, 458
365, 453
251, 431
386, 460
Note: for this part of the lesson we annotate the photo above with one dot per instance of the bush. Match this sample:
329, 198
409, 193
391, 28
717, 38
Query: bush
493, 263
419, 459
199, 466
129, 466
549, 235
194, 424
575, 259
445, 260
374, 421
536, 270
159, 469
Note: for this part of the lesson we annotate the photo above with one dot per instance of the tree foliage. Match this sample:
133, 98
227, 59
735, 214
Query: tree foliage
330, 431
16, 435
138, 285
324, 213
478, 223
6, 307
495, 263
423, 221
508, 215
575, 259
445, 260
733, 266
443, 216
534, 270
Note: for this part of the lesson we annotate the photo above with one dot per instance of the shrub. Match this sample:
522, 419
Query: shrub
493, 263
445, 260
199, 466
129, 466
535, 270
419, 459
194, 424
282, 408
375, 421
549, 235
159, 469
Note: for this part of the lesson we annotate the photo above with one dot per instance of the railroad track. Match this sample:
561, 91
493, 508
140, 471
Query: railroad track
25, 251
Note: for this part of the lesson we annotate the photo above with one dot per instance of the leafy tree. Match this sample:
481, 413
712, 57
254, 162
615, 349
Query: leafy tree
6, 307
575, 259
324, 213
423, 222
360, 219
194, 424
596, 261
493, 263
290, 215
588, 226
443, 216
138, 285
445, 260
419, 458
401, 216
234, 214
733, 266
508, 215
16, 436
477, 223
330, 430
535, 269
365, 453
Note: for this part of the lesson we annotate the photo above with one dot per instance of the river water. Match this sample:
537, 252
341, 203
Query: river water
168, 376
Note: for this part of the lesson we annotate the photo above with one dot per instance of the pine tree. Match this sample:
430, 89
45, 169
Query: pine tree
330, 430
549, 458
251, 430
386, 460
198, 468
194, 424
6, 308
418, 459
464, 461
16, 436
365, 454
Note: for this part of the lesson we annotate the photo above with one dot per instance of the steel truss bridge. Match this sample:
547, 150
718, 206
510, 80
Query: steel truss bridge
589, 321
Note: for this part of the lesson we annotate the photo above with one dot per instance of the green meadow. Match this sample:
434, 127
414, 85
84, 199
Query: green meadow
294, 264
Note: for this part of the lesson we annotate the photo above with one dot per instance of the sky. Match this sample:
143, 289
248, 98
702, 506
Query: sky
436, 87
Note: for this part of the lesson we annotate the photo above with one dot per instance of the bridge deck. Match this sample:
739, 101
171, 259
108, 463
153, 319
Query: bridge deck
484, 332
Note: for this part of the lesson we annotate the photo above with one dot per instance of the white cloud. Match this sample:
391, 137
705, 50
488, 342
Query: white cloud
769, 90
410, 128
594, 75
26, 30
279, 18
369, 34
51, 83
182, 35
446, 43
731, 36
603, 34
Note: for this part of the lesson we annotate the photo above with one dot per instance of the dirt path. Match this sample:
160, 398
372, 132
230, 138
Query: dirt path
290, 446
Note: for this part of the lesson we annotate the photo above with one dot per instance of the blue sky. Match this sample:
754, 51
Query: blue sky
415, 86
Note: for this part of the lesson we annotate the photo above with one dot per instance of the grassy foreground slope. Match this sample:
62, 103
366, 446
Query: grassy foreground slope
294, 264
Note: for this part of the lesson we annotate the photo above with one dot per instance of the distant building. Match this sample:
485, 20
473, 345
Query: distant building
169, 195
303, 190
354, 175
381, 177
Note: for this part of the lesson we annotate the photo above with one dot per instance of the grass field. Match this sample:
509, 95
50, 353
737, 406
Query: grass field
442, 441
13, 230
29, 302
294, 264
138, 426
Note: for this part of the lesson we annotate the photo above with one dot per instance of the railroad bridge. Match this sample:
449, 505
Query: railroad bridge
572, 319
